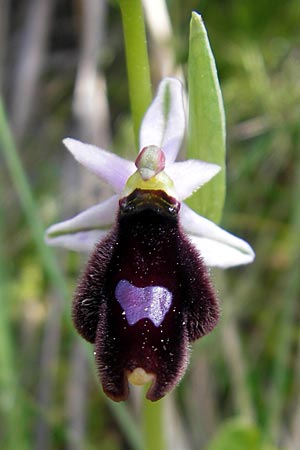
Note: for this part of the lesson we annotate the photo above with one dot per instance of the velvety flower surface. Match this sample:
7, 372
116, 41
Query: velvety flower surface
146, 293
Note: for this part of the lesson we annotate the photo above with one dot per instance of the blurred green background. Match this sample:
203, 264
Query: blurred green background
63, 73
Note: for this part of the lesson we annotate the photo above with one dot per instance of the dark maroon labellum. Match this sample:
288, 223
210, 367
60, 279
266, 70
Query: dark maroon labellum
144, 296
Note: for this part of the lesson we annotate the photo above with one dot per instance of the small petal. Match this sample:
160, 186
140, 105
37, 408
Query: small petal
190, 175
111, 168
164, 122
83, 241
96, 217
218, 247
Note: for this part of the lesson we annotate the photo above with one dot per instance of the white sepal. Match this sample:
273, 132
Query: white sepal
111, 168
188, 176
218, 247
164, 122
83, 241
96, 217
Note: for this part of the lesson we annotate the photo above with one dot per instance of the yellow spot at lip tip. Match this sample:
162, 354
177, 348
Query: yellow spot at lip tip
139, 377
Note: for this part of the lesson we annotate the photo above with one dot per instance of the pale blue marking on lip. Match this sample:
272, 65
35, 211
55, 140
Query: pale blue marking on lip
150, 302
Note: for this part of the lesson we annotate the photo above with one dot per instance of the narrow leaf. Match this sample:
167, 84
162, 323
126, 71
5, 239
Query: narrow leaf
206, 120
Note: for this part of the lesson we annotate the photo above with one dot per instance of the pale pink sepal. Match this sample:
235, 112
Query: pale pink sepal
217, 254
190, 175
83, 241
218, 247
164, 122
111, 168
101, 215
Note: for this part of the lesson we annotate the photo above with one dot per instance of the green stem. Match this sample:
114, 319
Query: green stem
137, 61
153, 425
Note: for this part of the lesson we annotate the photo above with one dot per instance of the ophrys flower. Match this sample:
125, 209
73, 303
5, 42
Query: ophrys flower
146, 293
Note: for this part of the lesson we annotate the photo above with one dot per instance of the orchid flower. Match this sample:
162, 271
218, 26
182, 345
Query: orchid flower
146, 292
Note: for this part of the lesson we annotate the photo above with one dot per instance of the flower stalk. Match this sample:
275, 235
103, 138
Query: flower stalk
137, 61
154, 425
